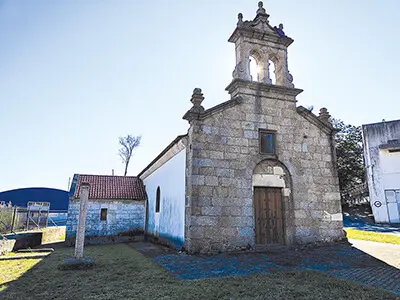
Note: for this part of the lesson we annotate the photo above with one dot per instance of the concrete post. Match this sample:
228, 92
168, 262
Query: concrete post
80, 232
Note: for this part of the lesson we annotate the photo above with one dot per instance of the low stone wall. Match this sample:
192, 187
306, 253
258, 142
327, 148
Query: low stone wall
25, 240
53, 234
6, 246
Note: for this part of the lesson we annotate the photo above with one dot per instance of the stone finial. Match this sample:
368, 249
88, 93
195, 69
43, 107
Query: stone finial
261, 9
240, 19
324, 115
197, 97
197, 108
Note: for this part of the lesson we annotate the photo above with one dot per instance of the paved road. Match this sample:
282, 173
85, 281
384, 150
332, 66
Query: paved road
388, 253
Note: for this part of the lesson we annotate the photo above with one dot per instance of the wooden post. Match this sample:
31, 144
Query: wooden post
39, 214
15, 210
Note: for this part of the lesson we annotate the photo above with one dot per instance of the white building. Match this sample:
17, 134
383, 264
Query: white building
382, 162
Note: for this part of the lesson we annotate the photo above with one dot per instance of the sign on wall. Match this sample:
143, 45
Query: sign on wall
38, 206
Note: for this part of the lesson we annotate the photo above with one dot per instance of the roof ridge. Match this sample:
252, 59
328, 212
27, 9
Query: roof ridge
109, 187
101, 175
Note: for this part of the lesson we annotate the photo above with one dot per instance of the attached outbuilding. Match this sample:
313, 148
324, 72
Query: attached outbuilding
116, 208
165, 181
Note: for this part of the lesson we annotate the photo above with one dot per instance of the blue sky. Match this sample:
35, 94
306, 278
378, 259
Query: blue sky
75, 75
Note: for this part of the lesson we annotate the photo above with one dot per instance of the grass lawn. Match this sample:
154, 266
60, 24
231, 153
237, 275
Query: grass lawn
12, 269
24, 254
372, 236
123, 273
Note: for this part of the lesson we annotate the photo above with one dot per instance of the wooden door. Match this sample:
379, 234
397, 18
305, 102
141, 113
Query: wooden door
268, 215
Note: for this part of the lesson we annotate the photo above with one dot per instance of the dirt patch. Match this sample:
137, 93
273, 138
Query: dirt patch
152, 250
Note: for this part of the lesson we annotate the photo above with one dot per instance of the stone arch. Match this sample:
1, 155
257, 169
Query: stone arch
281, 175
269, 63
254, 54
273, 173
273, 66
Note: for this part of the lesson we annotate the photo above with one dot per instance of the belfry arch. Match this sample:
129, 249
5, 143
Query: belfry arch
266, 44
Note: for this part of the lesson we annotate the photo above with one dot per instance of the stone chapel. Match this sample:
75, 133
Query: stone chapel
253, 170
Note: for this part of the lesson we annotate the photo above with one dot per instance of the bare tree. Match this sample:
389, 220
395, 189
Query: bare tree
128, 143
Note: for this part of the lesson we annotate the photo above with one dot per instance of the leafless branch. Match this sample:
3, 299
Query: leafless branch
128, 145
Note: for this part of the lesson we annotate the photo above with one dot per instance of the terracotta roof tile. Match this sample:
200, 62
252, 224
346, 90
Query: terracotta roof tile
109, 187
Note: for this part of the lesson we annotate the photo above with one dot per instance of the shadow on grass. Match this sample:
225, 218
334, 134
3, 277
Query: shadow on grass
121, 272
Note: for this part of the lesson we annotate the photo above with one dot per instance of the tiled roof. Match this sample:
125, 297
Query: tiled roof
109, 187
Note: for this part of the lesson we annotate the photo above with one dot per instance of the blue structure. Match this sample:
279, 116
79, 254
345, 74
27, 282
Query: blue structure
20, 197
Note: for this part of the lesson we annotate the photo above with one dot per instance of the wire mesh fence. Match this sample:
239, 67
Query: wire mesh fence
10, 219
14, 219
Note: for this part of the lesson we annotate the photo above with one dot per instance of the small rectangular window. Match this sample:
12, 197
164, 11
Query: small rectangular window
103, 214
267, 142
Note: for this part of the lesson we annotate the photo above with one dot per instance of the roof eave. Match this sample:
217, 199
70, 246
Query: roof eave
251, 32
255, 85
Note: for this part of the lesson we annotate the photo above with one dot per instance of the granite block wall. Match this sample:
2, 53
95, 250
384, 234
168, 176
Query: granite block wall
223, 153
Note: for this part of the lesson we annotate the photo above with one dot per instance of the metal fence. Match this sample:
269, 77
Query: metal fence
357, 194
10, 219
14, 219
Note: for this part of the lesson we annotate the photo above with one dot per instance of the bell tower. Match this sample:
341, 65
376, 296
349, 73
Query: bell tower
266, 44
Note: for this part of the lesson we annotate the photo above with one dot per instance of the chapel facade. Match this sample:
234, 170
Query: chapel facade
254, 170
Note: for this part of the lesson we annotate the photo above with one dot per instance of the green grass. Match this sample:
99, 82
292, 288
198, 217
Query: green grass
11, 270
123, 273
24, 254
372, 236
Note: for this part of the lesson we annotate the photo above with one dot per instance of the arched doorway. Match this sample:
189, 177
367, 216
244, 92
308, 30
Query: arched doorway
271, 202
